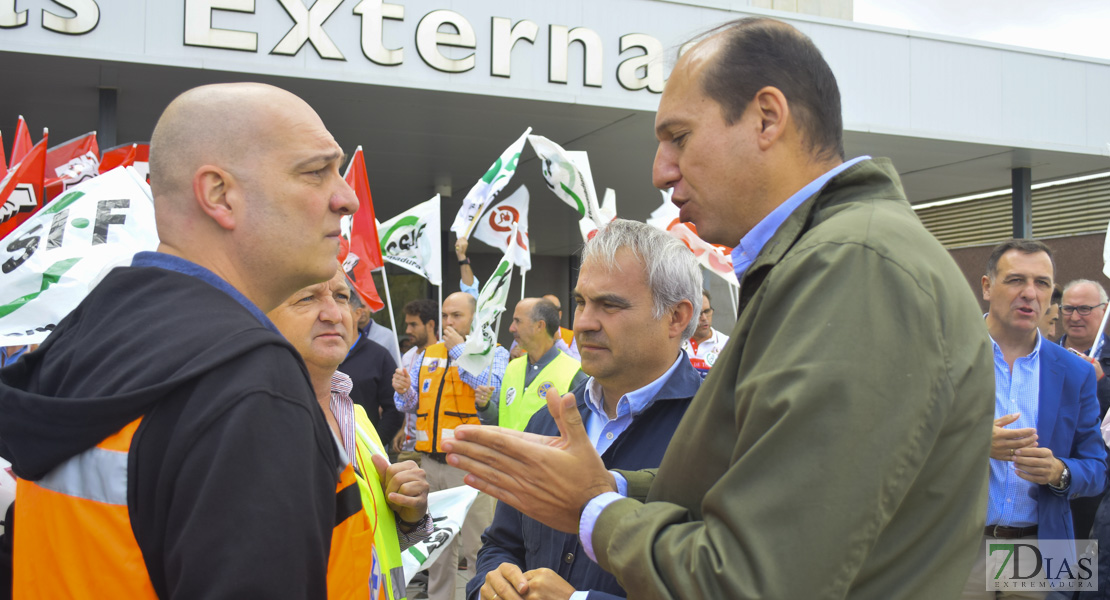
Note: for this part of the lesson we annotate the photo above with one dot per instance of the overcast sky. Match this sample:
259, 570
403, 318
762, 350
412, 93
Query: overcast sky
1072, 26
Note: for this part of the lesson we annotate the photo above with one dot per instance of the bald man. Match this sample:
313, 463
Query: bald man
166, 436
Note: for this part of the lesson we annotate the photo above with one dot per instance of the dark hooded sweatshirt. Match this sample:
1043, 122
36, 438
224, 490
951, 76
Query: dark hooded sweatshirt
232, 473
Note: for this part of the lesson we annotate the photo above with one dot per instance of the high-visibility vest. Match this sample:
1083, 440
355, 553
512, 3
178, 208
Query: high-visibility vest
387, 574
445, 401
74, 538
519, 402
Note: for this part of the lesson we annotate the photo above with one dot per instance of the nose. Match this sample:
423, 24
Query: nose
664, 171
344, 201
330, 312
585, 319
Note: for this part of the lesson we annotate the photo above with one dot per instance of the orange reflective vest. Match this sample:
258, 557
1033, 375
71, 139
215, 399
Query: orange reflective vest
74, 538
567, 335
445, 401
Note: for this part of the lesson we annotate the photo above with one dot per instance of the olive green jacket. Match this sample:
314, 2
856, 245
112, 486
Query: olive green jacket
839, 447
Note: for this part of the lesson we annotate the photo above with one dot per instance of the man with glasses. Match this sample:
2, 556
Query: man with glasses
706, 343
1081, 311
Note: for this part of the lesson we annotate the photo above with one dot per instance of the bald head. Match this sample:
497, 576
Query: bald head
246, 182
213, 125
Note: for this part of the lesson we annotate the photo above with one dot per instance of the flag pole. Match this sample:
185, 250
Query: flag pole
392, 319
523, 278
440, 292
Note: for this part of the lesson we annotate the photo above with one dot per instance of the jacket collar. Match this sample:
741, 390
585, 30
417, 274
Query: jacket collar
682, 384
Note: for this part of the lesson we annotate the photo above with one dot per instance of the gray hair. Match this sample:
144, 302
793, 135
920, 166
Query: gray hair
672, 271
1098, 286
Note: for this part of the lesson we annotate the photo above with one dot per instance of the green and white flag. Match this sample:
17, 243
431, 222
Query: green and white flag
411, 240
52, 260
568, 176
482, 194
480, 344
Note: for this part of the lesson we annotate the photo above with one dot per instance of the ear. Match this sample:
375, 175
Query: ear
217, 195
774, 115
986, 288
680, 318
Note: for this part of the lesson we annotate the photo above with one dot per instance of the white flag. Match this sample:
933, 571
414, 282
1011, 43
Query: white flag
482, 194
568, 176
52, 260
717, 259
495, 227
411, 240
478, 351
608, 214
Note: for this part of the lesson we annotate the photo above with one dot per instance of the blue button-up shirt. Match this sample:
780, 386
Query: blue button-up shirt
1013, 501
743, 255
602, 430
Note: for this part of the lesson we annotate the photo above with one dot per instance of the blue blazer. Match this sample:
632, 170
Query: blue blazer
1068, 424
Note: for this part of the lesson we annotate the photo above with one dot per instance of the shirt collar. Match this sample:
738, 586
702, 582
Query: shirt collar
546, 358
170, 262
634, 402
745, 253
1033, 355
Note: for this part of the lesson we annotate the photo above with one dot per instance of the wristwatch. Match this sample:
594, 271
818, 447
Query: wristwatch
465, 261
1065, 480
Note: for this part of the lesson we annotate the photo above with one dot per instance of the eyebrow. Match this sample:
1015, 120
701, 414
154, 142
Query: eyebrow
326, 159
612, 299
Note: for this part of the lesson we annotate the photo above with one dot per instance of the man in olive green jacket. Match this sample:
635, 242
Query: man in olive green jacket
839, 446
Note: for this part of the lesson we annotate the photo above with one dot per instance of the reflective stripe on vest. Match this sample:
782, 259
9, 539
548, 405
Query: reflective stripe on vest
387, 581
517, 402
445, 401
74, 538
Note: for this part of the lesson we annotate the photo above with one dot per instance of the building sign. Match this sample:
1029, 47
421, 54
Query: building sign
444, 40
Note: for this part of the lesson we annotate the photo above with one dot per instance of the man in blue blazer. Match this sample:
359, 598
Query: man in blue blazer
1046, 447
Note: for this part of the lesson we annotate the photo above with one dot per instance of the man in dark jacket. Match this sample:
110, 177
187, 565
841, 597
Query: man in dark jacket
165, 432
370, 365
636, 296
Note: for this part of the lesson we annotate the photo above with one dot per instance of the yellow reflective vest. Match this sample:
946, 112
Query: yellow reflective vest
519, 402
387, 575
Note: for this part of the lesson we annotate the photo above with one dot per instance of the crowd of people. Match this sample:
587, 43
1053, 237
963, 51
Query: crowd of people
255, 435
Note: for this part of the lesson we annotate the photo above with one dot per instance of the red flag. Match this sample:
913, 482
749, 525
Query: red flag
365, 253
22, 144
21, 189
3, 159
124, 155
70, 163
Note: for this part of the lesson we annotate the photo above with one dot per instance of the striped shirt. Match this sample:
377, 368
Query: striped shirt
343, 409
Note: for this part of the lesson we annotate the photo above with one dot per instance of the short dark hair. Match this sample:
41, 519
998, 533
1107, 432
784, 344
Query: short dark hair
425, 310
757, 52
705, 292
545, 310
1021, 245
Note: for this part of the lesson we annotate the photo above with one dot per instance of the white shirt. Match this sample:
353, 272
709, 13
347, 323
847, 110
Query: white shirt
703, 355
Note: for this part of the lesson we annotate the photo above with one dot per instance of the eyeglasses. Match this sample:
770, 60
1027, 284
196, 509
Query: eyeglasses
709, 311
1083, 310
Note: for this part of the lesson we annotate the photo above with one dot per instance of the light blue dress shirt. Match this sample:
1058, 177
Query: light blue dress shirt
745, 253
1012, 501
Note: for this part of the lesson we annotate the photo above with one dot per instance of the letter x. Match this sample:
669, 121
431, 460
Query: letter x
309, 27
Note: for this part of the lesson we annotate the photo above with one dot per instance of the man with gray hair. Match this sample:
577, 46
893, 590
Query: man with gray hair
1081, 310
635, 303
